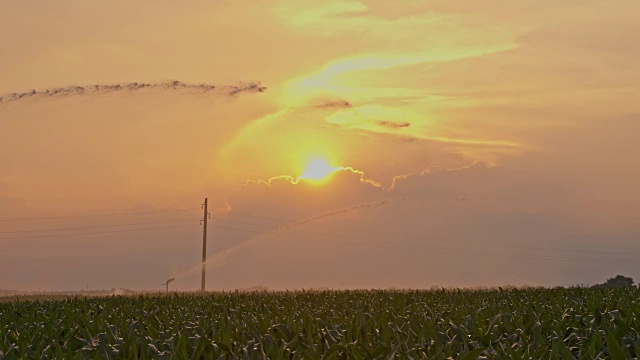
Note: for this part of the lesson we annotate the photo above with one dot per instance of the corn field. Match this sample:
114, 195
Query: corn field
559, 323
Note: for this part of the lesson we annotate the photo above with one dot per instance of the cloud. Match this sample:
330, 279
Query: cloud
393, 124
98, 89
248, 87
342, 188
333, 104
343, 17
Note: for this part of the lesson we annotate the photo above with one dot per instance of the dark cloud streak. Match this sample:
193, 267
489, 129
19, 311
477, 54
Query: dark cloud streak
394, 125
134, 86
334, 104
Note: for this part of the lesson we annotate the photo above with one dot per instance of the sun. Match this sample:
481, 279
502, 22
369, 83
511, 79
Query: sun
318, 170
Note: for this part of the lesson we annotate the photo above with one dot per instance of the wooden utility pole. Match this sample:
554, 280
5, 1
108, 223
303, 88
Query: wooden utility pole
204, 244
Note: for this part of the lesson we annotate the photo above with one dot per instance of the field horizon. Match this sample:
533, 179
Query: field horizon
7, 293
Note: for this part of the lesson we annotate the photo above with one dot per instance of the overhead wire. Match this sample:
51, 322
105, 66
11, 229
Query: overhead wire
97, 232
93, 227
451, 251
385, 243
97, 215
276, 228
527, 247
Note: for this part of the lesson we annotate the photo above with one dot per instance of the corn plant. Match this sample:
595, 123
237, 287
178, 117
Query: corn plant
559, 323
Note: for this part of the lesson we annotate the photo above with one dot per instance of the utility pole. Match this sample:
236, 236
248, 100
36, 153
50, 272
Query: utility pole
204, 244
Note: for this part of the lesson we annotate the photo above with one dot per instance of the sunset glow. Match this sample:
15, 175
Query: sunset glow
500, 136
318, 170
258, 176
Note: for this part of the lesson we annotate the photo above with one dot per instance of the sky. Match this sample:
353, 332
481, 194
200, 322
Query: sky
340, 144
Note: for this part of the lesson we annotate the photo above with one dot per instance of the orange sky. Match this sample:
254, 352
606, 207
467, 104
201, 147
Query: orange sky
468, 143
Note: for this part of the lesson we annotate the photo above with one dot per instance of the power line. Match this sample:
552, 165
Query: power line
454, 251
367, 243
93, 227
596, 252
98, 232
97, 215
276, 228
246, 223
260, 217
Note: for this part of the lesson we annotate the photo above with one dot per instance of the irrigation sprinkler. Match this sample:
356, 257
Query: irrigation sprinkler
167, 283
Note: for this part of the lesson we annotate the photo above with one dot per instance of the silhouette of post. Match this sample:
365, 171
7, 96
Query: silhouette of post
204, 244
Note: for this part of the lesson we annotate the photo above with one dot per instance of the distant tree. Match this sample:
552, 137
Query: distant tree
620, 281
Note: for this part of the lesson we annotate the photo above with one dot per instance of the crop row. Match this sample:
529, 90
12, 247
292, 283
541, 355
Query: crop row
511, 324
